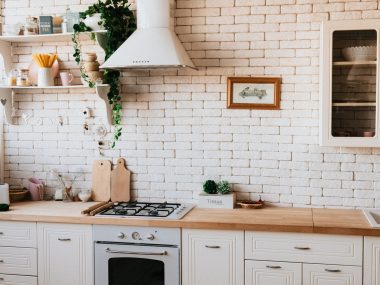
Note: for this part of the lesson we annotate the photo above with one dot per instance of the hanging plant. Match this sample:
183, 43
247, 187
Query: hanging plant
119, 22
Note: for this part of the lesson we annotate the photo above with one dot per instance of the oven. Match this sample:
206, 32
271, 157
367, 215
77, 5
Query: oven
136, 256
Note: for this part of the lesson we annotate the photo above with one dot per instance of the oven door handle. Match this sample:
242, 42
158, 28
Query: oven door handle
136, 252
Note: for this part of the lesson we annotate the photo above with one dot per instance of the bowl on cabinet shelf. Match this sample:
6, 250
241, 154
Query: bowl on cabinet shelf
367, 53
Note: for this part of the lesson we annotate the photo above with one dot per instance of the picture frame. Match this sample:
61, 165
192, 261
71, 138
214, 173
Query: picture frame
260, 93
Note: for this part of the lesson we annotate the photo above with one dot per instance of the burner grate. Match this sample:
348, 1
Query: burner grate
141, 209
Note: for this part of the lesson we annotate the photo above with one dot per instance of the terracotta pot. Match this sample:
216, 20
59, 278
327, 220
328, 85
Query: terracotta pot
91, 66
90, 57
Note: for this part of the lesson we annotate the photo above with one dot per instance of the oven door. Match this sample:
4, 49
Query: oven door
133, 264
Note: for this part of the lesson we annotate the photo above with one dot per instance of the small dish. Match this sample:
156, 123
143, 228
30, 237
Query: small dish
251, 204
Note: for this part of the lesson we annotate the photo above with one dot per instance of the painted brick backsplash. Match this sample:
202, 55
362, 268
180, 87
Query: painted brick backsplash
177, 131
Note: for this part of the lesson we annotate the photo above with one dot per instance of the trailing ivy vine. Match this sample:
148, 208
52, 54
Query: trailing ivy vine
120, 23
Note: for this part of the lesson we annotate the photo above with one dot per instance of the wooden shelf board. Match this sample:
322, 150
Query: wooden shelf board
45, 38
355, 104
359, 62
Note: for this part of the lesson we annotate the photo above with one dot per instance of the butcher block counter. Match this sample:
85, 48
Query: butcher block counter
302, 220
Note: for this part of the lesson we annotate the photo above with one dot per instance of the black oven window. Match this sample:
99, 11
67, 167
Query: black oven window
135, 271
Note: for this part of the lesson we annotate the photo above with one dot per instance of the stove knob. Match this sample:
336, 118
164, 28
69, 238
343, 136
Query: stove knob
150, 237
121, 235
136, 236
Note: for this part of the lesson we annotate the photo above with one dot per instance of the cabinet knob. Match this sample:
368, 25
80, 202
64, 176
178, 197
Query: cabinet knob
64, 239
333, 270
121, 235
273, 267
302, 247
1, 279
212, 246
1, 261
1, 233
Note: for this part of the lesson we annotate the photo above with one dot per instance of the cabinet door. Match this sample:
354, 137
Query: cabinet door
320, 274
371, 261
349, 84
212, 257
65, 254
272, 273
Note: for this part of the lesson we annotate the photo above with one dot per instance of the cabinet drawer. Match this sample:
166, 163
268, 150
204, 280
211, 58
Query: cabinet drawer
312, 248
21, 261
272, 273
19, 234
320, 274
17, 280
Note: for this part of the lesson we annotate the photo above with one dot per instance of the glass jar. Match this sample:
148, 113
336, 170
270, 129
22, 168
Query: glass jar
12, 77
31, 26
23, 78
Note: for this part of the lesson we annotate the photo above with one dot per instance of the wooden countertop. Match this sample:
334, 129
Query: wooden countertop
303, 220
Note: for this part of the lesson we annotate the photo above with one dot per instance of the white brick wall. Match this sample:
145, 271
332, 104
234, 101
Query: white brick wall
177, 131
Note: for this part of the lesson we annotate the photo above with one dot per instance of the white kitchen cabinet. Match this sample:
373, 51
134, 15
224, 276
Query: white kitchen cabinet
272, 273
371, 271
18, 234
308, 248
212, 257
65, 254
321, 274
349, 109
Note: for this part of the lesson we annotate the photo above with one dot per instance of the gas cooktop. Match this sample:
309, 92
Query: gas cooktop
148, 210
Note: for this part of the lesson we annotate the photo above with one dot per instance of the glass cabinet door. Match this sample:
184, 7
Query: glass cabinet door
354, 83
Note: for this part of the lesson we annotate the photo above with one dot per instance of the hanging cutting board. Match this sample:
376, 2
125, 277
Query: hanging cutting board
101, 180
120, 182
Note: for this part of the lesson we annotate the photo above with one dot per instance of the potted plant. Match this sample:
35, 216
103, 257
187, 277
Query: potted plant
216, 195
119, 23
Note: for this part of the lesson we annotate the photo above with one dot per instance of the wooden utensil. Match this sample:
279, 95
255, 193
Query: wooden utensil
92, 208
101, 180
101, 208
120, 182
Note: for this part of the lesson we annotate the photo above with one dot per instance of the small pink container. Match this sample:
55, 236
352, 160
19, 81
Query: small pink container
36, 189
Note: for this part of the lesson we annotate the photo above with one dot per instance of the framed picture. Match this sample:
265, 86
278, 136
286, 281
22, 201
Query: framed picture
262, 93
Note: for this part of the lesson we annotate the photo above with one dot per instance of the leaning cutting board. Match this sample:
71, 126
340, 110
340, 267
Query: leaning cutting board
101, 180
120, 182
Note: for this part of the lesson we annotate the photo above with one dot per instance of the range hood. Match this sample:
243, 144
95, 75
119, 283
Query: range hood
154, 44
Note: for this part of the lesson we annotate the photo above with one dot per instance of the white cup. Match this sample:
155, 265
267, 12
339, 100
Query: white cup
66, 78
45, 77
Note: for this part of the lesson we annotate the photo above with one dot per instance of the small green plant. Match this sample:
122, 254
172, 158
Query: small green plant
119, 21
223, 187
210, 187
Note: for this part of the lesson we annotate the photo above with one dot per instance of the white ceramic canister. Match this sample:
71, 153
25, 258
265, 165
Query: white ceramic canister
45, 77
4, 193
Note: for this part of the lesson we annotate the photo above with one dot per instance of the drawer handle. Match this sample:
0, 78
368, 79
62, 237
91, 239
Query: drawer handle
64, 239
212, 246
1, 261
273, 267
333, 270
1, 233
1, 279
302, 247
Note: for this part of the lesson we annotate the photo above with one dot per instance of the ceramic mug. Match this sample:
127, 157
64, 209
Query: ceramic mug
36, 189
45, 77
66, 78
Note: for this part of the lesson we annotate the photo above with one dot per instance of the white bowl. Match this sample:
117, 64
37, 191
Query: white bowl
359, 53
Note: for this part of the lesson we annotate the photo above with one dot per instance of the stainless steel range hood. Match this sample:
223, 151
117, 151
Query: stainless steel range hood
154, 44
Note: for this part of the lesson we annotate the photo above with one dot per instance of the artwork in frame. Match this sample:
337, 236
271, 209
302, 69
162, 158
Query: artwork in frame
262, 93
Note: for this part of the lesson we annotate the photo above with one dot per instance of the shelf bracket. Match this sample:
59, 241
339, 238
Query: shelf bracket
102, 92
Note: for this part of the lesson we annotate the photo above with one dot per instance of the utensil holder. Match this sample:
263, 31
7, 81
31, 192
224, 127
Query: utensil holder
45, 77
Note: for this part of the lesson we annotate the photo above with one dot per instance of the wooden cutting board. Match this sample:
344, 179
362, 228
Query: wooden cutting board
101, 180
120, 182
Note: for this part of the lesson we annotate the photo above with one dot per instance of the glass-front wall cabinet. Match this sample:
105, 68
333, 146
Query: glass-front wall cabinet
349, 84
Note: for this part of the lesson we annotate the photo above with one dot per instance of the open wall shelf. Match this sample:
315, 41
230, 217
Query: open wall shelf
7, 92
